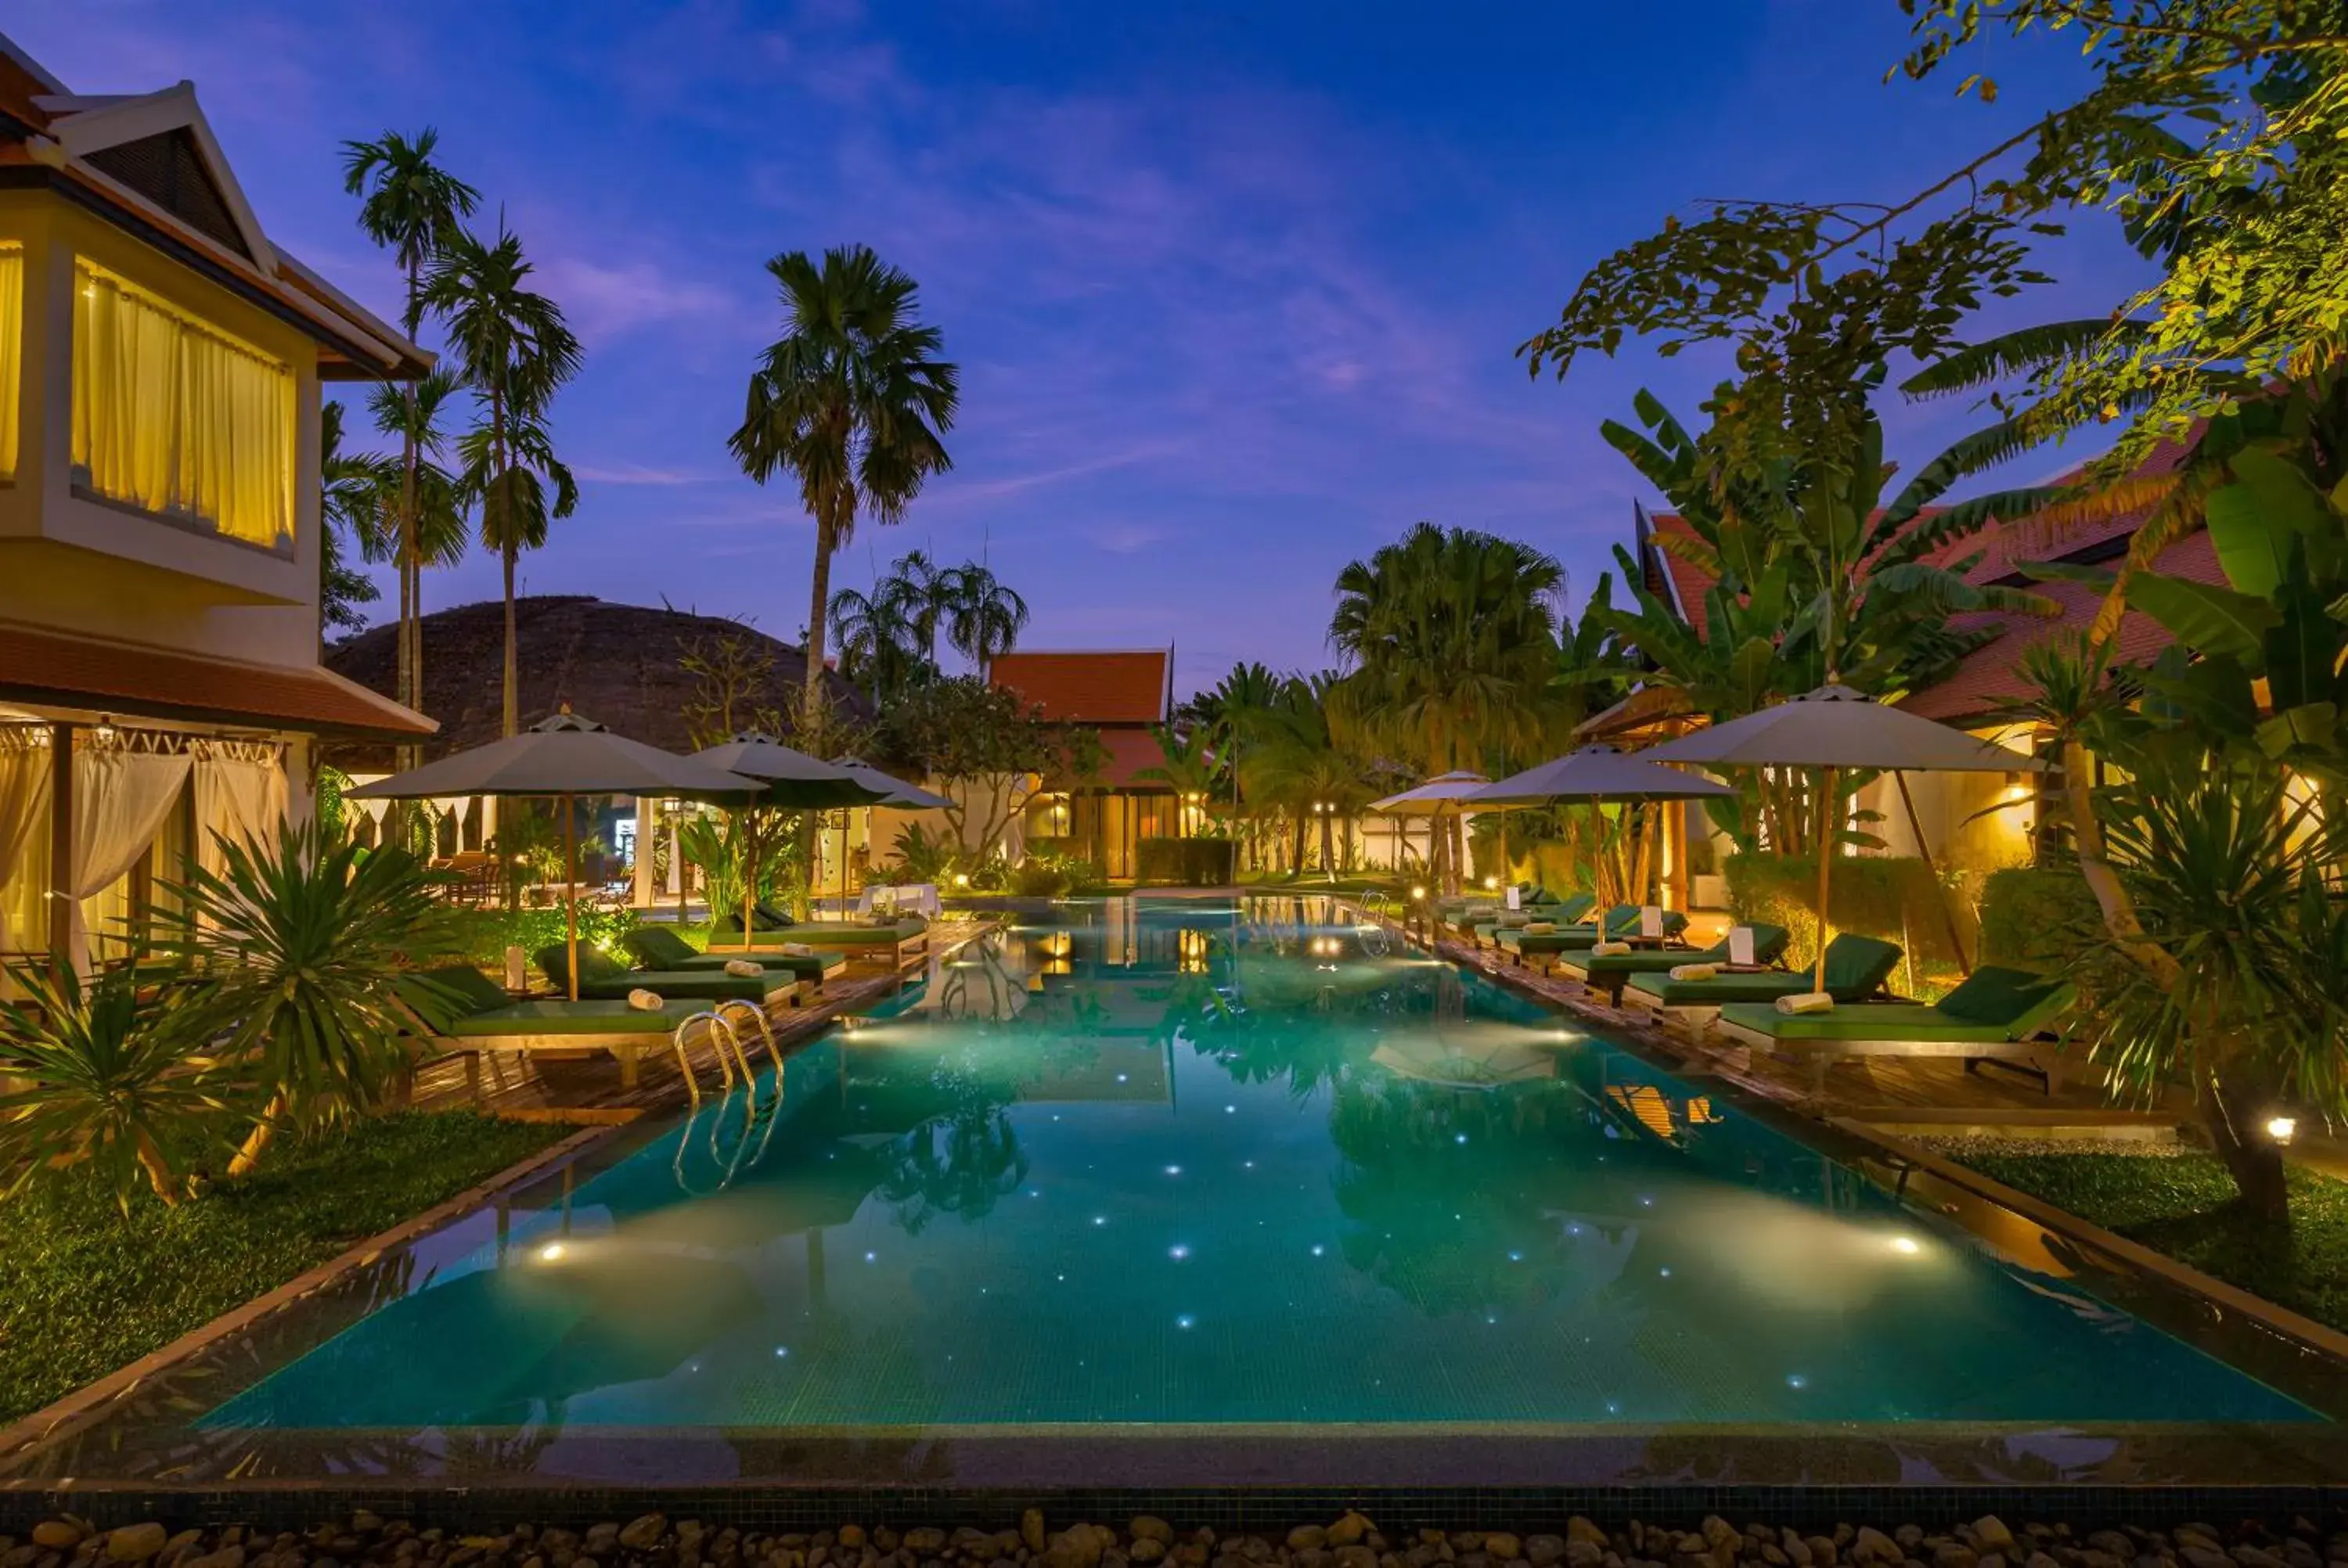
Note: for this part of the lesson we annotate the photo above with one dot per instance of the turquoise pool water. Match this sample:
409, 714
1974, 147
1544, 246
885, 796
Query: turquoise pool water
1172, 1164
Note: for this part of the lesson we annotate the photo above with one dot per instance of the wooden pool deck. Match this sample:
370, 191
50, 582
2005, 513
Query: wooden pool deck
586, 1090
1917, 1095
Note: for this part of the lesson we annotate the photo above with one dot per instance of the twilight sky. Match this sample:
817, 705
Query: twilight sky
1235, 288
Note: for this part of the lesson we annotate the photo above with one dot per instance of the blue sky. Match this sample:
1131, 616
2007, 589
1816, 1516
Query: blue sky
1236, 288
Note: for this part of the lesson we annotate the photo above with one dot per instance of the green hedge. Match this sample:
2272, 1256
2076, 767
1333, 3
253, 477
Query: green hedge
2037, 918
490, 932
1890, 897
1186, 861
1059, 846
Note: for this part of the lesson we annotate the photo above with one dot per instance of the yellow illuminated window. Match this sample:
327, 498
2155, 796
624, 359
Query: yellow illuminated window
12, 336
177, 418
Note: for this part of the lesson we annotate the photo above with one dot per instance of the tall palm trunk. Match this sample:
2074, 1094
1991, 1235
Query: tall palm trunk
819, 597
502, 482
411, 614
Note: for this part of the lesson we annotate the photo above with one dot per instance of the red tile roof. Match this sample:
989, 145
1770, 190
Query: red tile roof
61, 669
1129, 752
1081, 687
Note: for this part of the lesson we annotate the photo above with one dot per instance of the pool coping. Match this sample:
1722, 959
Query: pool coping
1537, 1447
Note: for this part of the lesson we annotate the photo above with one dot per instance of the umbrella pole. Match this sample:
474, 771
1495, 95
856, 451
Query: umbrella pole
1825, 866
570, 895
1940, 894
749, 872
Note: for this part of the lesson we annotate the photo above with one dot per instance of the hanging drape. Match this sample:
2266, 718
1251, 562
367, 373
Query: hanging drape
12, 350
120, 797
238, 798
176, 418
24, 827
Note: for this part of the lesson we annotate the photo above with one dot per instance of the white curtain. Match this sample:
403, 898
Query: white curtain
239, 798
120, 798
24, 813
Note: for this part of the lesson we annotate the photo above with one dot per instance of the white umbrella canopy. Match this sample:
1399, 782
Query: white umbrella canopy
891, 790
565, 756
1834, 728
1596, 773
1438, 795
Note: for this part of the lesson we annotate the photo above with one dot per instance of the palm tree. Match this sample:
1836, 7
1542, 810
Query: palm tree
879, 646
420, 513
922, 593
851, 400
985, 617
1451, 640
351, 486
516, 349
415, 208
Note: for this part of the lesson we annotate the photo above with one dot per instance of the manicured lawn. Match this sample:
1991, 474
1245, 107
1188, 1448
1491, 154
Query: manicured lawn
2179, 1205
83, 1291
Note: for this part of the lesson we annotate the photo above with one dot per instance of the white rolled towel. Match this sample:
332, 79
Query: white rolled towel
743, 968
1805, 1001
1608, 949
643, 1000
797, 950
1694, 972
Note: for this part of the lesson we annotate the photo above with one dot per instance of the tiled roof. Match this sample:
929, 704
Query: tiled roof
1129, 752
1090, 688
60, 670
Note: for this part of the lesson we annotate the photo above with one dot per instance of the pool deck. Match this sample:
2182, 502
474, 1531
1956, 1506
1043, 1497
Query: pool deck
586, 1090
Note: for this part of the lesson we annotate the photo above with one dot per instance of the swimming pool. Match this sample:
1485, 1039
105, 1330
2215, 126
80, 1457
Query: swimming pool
1201, 1166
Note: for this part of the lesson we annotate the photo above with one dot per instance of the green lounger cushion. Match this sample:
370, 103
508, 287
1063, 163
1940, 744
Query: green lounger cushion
1611, 970
1857, 968
584, 1018
658, 947
602, 975
1622, 921
1861, 1020
1991, 1007
844, 935
474, 993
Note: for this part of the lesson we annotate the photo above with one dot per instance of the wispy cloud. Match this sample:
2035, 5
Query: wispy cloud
605, 302
639, 474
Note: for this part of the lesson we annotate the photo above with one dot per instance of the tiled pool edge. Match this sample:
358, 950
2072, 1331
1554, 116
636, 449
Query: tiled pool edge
2213, 1293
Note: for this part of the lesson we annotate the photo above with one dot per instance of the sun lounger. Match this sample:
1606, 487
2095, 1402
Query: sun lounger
488, 1021
604, 978
1857, 968
1994, 1015
1535, 948
1613, 972
658, 947
897, 943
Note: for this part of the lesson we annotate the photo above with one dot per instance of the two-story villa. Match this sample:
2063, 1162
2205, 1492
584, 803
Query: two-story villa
161, 363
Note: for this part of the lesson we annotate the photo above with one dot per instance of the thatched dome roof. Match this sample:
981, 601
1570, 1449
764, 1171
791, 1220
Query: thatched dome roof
619, 664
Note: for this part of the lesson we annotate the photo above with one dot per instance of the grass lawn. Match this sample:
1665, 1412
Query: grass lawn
83, 1291
2179, 1205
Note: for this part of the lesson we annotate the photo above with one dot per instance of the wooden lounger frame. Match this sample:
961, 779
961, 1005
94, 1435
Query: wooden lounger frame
628, 1047
2041, 1058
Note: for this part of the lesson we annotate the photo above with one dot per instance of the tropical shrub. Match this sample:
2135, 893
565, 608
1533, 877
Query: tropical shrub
1186, 861
98, 1077
306, 958
922, 856
484, 935
1890, 897
2037, 917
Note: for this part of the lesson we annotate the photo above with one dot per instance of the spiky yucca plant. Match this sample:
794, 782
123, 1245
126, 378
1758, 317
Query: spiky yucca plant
96, 1075
307, 954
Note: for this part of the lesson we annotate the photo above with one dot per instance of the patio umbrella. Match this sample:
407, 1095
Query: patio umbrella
1834, 728
1596, 773
1439, 796
893, 791
563, 757
794, 780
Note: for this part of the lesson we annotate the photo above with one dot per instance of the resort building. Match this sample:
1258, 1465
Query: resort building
1973, 822
1123, 696
160, 366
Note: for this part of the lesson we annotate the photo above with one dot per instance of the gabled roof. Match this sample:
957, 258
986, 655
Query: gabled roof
1106, 687
148, 164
